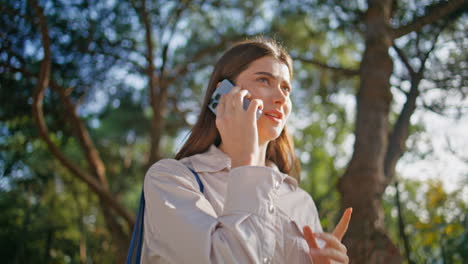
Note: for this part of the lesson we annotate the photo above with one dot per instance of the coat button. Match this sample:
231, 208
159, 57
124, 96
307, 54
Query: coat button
271, 208
277, 185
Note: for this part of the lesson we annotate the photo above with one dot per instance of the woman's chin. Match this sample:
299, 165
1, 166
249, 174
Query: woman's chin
270, 136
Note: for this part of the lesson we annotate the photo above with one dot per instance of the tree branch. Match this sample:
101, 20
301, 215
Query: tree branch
398, 87
343, 71
400, 133
165, 49
401, 225
435, 14
434, 43
44, 133
152, 83
38, 115
162, 84
92, 155
397, 139
404, 59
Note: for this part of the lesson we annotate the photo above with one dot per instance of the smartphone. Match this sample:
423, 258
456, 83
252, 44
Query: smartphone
225, 87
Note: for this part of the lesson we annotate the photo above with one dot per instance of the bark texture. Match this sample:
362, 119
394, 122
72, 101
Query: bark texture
362, 185
376, 150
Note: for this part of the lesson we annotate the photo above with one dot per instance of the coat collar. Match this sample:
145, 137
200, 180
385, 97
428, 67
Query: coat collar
214, 160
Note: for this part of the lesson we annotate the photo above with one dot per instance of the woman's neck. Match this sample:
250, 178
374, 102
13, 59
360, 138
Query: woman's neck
261, 152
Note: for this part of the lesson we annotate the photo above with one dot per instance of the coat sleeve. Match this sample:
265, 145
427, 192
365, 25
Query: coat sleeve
181, 226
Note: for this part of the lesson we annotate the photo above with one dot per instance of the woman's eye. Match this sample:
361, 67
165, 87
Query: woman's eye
264, 80
287, 88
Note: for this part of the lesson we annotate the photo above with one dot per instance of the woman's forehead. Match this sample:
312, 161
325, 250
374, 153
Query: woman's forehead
269, 65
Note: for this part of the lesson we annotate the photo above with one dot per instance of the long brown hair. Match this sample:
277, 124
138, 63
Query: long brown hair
238, 58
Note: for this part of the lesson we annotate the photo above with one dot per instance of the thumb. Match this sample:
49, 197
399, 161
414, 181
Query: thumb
342, 226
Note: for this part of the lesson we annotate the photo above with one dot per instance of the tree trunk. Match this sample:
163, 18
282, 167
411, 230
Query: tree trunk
364, 181
157, 127
362, 185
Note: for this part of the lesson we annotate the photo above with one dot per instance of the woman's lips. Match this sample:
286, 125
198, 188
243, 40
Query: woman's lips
274, 115
274, 119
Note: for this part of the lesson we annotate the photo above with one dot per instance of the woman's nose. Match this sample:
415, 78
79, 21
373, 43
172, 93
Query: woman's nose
279, 96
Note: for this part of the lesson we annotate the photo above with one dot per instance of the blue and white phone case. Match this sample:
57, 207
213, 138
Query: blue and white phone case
225, 87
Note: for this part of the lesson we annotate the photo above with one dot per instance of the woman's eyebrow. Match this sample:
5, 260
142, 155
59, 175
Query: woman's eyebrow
272, 76
267, 73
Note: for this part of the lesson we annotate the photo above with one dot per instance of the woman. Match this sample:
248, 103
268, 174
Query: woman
231, 194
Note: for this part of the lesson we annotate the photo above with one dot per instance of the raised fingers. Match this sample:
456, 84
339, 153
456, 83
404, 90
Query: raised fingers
342, 227
332, 241
309, 237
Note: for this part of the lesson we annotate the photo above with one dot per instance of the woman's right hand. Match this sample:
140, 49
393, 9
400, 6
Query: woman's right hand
238, 128
334, 251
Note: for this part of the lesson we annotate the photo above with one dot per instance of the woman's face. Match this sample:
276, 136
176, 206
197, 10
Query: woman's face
268, 79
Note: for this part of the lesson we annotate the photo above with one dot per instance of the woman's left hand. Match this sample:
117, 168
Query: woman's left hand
334, 251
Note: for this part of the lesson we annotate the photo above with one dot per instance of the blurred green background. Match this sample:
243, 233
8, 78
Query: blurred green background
107, 127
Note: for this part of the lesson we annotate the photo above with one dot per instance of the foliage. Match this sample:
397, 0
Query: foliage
99, 59
435, 220
47, 215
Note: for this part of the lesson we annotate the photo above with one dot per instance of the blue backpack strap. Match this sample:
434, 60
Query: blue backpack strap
200, 183
134, 251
